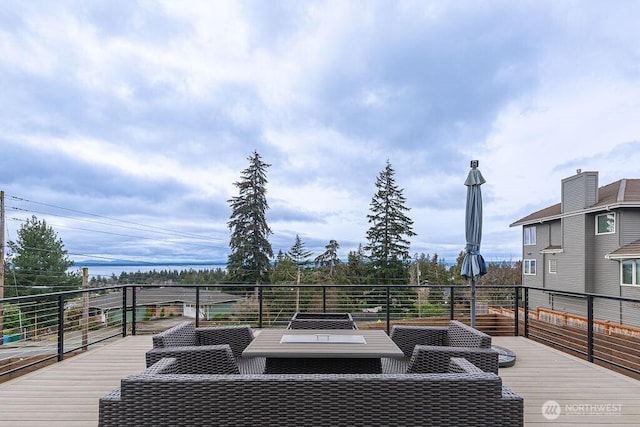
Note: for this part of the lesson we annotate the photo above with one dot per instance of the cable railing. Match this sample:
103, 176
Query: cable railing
46, 328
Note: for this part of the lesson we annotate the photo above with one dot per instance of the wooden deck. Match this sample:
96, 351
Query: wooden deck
67, 393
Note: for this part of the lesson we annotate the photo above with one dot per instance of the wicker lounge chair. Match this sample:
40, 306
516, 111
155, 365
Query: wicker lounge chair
186, 342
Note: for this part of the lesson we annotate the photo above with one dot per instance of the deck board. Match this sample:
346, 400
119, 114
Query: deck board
67, 393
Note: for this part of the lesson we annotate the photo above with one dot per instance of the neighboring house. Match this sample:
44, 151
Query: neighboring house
589, 243
164, 301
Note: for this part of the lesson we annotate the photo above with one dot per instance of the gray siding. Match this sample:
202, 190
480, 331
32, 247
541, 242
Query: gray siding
630, 311
572, 259
538, 299
606, 310
591, 190
569, 304
533, 252
628, 223
553, 280
624, 313
556, 233
603, 274
581, 265
579, 191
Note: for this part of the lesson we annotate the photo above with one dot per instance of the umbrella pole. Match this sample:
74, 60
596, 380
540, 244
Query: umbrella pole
473, 303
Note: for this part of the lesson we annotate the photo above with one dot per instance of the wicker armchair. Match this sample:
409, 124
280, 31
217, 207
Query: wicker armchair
428, 358
212, 359
437, 345
184, 341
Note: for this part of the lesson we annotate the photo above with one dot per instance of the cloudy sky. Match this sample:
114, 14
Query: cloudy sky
125, 124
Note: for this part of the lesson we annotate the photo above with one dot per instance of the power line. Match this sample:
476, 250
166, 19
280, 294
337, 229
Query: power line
144, 226
119, 223
126, 235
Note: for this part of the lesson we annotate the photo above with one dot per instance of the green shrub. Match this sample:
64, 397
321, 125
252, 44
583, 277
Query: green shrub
428, 309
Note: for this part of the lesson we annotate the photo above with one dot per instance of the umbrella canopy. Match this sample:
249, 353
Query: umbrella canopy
473, 265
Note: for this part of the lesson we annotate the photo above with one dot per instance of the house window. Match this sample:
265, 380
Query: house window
553, 266
630, 272
606, 223
529, 267
529, 235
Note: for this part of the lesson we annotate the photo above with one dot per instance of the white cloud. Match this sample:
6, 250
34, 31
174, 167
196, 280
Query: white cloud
173, 97
532, 142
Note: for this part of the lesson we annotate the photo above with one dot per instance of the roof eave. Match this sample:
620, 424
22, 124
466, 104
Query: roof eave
552, 251
574, 213
617, 257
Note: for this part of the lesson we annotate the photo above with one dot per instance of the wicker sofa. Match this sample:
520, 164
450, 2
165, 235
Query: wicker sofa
437, 345
215, 349
162, 395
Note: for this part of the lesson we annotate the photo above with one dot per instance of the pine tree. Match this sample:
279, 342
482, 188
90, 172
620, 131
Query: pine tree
356, 266
249, 243
300, 258
329, 258
39, 263
387, 237
298, 253
283, 271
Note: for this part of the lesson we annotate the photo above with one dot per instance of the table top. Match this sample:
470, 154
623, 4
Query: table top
376, 344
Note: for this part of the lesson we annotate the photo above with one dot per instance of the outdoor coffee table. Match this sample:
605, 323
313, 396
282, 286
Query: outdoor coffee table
327, 351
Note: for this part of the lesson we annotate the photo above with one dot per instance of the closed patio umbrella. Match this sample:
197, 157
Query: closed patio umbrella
473, 265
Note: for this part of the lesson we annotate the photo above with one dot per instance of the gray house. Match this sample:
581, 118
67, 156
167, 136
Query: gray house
590, 243
164, 302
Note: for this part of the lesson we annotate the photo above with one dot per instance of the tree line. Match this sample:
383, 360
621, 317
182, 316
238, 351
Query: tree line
39, 262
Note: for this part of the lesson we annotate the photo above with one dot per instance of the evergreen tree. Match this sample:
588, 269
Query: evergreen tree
357, 266
39, 262
298, 253
300, 258
284, 271
249, 243
329, 258
456, 276
390, 229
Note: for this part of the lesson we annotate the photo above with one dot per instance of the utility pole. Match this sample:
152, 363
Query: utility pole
1, 265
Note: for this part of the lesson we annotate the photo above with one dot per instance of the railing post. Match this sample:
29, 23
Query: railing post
324, 299
260, 307
516, 310
590, 328
388, 310
197, 306
60, 328
124, 312
452, 310
526, 312
133, 310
